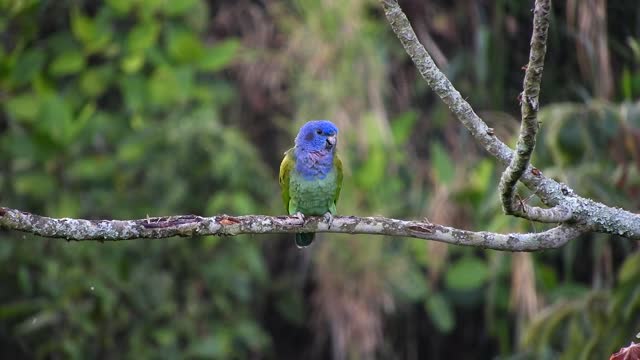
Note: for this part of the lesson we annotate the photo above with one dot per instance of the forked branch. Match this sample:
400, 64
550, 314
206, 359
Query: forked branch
464, 112
566, 206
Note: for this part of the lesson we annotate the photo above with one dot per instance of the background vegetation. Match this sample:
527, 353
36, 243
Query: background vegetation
123, 108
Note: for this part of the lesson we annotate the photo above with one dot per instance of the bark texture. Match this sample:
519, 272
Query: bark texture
529, 105
225, 225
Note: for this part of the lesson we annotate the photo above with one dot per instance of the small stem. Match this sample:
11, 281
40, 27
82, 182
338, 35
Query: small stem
529, 108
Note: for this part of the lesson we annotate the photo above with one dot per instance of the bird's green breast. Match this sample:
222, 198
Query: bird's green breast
312, 196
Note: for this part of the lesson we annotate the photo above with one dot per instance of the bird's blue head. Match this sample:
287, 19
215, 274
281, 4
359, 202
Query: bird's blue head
317, 135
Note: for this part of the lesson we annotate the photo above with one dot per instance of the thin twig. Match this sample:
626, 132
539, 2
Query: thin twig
530, 104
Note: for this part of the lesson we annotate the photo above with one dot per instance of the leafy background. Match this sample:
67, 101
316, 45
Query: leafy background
128, 108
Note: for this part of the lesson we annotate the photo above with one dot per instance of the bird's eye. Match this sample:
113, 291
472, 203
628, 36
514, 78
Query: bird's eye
318, 131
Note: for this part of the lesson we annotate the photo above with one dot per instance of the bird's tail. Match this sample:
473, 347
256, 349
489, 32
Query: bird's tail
304, 239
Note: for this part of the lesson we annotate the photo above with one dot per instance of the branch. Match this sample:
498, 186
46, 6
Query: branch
529, 107
225, 225
578, 215
566, 205
548, 190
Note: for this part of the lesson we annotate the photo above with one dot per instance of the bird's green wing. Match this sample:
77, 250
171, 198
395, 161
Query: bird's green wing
337, 164
285, 173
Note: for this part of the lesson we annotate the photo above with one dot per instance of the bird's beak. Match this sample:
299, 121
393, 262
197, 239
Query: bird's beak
331, 142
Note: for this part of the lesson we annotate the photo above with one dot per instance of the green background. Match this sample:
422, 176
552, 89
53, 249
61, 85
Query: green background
133, 108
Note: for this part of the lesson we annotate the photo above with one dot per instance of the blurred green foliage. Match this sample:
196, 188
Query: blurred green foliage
115, 110
128, 108
593, 148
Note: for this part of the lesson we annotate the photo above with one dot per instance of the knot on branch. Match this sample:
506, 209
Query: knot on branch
169, 221
423, 229
228, 220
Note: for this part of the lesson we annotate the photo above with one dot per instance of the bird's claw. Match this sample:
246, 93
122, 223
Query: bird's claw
328, 217
299, 216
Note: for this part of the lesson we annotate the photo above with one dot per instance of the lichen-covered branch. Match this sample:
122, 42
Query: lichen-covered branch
548, 190
529, 99
566, 206
226, 225
576, 214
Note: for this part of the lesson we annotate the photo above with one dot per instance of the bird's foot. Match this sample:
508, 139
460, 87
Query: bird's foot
328, 217
299, 216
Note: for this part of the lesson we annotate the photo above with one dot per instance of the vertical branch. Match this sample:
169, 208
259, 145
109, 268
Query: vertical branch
529, 109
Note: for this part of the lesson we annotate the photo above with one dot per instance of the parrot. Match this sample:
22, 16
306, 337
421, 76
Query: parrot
311, 175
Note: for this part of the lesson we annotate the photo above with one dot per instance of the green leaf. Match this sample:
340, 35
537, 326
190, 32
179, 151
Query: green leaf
132, 63
547, 276
23, 107
402, 126
411, 285
143, 36
630, 269
569, 290
163, 86
66, 206
131, 151
165, 336
121, 6
251, 334
371, 173
148, 9
67, 63
220, 55
481, 177
94, 33
95, 81
82, 119
237, 201
28, 65
213, 346
468, 273
178, 7
38, 185
14, 8
56, 119
92, 168
440, 312
184, 46
134, 92
82, 27
170, 85
443, 165
19, 308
